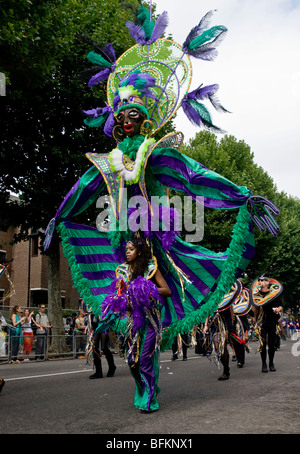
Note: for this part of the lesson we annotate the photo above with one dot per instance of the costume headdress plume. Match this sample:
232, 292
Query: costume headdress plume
159, 72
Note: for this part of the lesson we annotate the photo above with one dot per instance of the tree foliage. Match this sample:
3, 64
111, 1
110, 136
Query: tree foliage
43, 139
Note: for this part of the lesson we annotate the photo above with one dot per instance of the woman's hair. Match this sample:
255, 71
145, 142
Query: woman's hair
14, 310
144, 255
27, 309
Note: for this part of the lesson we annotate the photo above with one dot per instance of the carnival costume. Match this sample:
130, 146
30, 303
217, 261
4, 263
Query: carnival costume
137, 307
154, 77
267, 320
229, 324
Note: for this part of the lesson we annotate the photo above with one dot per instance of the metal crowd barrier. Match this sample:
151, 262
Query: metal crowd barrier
43, 347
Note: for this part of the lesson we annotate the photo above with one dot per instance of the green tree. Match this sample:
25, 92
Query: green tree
43, 139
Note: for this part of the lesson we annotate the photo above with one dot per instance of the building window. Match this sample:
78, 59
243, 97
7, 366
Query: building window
34, 245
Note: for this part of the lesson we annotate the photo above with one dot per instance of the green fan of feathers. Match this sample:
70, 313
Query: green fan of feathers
206, 36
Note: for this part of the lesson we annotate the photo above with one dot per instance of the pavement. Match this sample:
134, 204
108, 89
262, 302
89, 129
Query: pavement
57, 397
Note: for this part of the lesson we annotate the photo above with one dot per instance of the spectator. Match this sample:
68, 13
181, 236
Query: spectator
297, 327
41, 333
292, 329
80, 332
28, 332
15, 333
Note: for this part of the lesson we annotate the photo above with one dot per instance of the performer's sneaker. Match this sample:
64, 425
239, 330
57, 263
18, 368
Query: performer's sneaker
264, 368
272, 368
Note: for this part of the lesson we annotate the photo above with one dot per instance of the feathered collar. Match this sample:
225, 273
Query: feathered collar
129, 157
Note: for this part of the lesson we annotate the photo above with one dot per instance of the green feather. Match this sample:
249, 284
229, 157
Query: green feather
206, 36
145, 20
95, 122
98, 59
201, 110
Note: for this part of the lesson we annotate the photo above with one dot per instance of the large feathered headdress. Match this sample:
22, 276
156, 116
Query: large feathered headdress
155, 74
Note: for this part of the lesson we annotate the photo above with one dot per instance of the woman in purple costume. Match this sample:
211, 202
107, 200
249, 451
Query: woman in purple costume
141, 289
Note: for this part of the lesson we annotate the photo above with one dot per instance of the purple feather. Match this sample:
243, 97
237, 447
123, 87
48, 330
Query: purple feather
198, 29
203, 92
167, 240
109, 125
208, 55
143, 219
131, 79
114, 303
142, 292
150, 80
191, 113
149, 94
98, 112
109, 52
99, 77
159, 27
92, 112
136, 32
116, 102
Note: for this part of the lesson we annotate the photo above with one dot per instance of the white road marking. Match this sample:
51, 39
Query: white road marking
47, 375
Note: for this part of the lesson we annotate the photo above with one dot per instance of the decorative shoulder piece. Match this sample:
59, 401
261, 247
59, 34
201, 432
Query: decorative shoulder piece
257, 299
231, 297
243, 305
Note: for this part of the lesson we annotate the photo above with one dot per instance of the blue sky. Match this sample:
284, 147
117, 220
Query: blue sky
258, 70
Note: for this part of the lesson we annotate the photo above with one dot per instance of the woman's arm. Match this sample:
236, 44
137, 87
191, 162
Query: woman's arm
163, 288
14, 320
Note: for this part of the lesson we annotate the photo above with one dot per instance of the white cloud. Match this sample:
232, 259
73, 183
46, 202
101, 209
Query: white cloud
258, 70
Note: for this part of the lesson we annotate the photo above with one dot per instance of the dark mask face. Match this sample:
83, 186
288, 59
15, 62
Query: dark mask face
130, 120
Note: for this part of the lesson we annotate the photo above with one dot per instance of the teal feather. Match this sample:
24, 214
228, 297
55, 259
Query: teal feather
98, 59
201, 110
145, 20
95, 122
207, 36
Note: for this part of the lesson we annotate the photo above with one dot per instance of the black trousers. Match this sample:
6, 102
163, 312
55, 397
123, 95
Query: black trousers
101, 340
268, 336
184, 338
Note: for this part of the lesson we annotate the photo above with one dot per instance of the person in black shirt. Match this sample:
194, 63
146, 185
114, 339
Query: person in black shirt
270, 317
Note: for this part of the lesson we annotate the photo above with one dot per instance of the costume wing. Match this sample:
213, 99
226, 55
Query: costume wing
177, 171
92, 261
198, 277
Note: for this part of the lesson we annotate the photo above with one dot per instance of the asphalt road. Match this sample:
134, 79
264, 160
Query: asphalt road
57, 397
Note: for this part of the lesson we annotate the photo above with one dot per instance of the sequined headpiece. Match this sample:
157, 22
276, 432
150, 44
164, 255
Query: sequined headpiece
155, 74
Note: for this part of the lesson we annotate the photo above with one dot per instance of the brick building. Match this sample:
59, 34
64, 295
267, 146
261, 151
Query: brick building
28, 273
